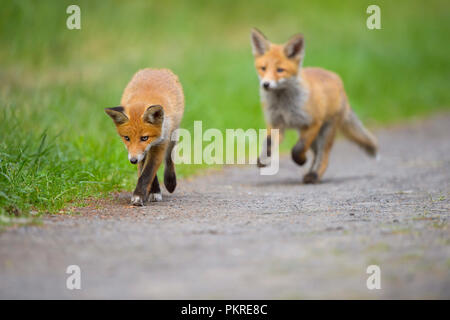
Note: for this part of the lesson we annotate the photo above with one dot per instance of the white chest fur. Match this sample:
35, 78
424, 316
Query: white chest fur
285, 106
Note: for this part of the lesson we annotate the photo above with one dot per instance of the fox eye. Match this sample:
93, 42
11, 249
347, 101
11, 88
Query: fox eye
126, 138
279, 70
263, 68
144, 138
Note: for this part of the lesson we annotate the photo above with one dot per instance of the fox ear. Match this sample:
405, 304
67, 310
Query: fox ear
154, 114
117, 114
260, 44
294, 48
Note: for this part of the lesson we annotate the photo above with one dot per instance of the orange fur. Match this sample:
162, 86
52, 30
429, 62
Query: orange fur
152, 106
310, 100
150, 87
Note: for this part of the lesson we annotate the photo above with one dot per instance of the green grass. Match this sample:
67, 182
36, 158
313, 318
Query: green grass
58, 146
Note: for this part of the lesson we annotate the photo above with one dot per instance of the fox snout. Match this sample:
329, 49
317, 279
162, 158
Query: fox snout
272, 84
134, 159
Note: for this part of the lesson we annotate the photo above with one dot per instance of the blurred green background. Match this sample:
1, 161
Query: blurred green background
57, 145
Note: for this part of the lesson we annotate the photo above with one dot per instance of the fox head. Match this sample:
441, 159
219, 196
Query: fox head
139, 126
276, 64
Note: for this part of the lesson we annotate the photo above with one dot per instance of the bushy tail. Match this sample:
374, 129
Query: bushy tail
354, 130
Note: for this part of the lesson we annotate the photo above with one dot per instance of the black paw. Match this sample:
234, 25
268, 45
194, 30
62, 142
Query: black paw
260, 164
371, 151
311, 177
170, 181
137, 200
297, 153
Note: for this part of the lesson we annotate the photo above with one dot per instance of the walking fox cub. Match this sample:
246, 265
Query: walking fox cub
151, 109
311, 100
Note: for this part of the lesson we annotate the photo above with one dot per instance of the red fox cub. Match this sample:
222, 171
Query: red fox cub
151, 109
310, 100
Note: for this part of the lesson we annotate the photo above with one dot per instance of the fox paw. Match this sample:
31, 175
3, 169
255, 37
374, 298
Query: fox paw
170, 180
263, 163
299, 160
311, 177
137, 201
297, 154
155, 197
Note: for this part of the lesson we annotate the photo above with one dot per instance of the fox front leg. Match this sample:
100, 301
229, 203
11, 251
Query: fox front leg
148, 174
155, 194
266, 151
307, 136
155, 191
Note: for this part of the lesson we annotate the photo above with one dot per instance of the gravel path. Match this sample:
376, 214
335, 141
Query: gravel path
236, 234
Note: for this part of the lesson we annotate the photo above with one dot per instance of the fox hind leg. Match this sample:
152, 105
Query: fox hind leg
170, 178
321, 148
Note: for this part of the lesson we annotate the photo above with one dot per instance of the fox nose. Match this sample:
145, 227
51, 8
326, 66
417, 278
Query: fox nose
266, 85
133, 160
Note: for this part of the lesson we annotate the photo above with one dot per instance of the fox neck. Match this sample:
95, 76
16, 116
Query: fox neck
285, 106
294, 88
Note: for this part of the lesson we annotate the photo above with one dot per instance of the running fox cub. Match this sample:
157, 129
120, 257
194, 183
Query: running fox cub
151, 109
311, 100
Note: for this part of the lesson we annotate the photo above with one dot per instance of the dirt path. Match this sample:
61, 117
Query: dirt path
236, 234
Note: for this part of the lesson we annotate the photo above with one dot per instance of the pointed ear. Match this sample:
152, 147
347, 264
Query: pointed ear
117, 114
295, 47
154, 114
260, 44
